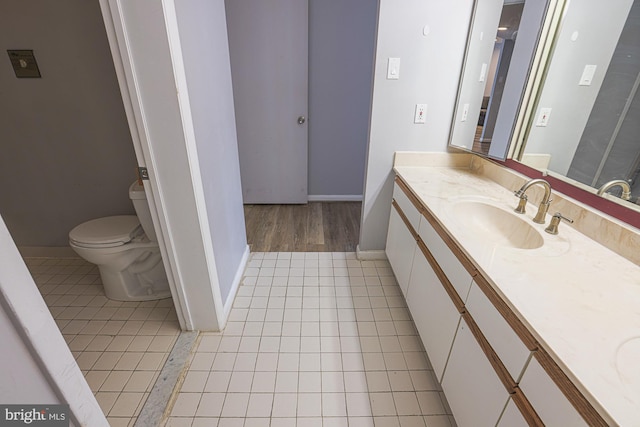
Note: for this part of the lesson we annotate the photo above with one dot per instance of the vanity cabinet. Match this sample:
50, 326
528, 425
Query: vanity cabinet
475, 393
401, 237
551, 405
489, 364
511, 417
434, 314
505, 342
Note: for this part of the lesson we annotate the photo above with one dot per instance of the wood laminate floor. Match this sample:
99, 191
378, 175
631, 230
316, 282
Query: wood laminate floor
314, 227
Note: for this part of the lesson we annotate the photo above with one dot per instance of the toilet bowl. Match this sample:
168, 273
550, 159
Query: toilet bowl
129, 262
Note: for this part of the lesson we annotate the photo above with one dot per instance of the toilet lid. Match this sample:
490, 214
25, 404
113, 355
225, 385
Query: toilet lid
110, 231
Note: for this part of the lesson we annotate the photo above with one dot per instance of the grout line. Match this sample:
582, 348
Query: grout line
158, 401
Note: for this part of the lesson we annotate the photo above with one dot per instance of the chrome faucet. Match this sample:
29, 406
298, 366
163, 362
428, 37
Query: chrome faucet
544, 204
626, 188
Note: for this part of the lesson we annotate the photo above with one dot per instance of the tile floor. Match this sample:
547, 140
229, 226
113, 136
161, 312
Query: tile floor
313, 339
120, 346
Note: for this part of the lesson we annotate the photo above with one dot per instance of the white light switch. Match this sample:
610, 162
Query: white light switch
483, 72
587, 75
393, 69
465, 112
420, 116
543, 117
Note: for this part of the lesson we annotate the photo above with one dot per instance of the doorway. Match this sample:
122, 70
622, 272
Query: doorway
341, 38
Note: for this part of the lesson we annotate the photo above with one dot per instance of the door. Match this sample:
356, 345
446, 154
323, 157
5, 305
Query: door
268, 43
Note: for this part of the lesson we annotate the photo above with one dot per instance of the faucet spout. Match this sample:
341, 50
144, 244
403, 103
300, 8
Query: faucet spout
544, 203
626, 188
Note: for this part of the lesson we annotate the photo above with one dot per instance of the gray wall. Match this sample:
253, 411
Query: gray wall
341, 48
67, 154
607, 110
205, 50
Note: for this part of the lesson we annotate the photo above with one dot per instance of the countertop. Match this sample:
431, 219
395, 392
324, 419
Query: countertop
579, 299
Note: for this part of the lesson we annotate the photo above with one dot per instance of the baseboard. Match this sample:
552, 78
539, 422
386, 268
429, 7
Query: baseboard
234, 287
335, 198
370, 255
47, 252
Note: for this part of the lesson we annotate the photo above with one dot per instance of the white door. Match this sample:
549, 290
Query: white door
268, 42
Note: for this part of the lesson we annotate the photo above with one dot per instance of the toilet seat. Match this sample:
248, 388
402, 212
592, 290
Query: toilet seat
108, 232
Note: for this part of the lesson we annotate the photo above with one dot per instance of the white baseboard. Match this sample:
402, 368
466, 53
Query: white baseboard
47, 252
335, 198
228, 304
370, 255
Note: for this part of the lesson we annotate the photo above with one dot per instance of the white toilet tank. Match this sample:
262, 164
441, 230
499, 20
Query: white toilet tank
140, 204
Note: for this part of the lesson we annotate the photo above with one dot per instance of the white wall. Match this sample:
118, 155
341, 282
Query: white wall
341, 48
205, 50
67, 154
183, 118
598, 26
37, 366
430, 66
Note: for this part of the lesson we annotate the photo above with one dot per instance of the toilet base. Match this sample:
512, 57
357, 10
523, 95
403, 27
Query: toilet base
127, 286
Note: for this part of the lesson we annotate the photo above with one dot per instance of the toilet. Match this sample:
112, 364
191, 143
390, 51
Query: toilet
125, 249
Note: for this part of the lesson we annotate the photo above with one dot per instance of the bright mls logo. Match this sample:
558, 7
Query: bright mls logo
34, 415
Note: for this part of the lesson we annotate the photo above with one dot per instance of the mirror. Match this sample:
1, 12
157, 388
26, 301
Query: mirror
584, 122
502, 40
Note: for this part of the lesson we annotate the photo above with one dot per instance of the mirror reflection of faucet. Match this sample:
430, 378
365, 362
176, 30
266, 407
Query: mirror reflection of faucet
544, 203
626, 188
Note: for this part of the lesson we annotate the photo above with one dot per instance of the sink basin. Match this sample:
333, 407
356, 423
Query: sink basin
494, 224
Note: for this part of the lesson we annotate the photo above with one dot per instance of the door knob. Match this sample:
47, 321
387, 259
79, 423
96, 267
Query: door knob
301, 120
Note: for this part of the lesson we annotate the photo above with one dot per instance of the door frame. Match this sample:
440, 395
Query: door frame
180, 269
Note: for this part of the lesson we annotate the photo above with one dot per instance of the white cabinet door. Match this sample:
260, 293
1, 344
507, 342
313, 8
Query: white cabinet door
512, 417
434, 314
506, 343
400, 248
447, 260
549, 402
474, 391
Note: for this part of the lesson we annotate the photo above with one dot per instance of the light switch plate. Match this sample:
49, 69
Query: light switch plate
483, 72
587, 75
465, 113
393, 69
543, 117
420, 116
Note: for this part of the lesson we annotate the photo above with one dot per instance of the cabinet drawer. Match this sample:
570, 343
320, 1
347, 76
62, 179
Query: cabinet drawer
506, 343
409, 210
452, 268
547, 399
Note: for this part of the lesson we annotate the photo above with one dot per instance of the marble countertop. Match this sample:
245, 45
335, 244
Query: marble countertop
579, 299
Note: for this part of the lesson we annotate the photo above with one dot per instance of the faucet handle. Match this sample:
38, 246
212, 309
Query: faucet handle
522, 203
555, 221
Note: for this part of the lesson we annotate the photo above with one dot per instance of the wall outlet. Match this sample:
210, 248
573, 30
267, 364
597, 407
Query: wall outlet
420, 116
543, 117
